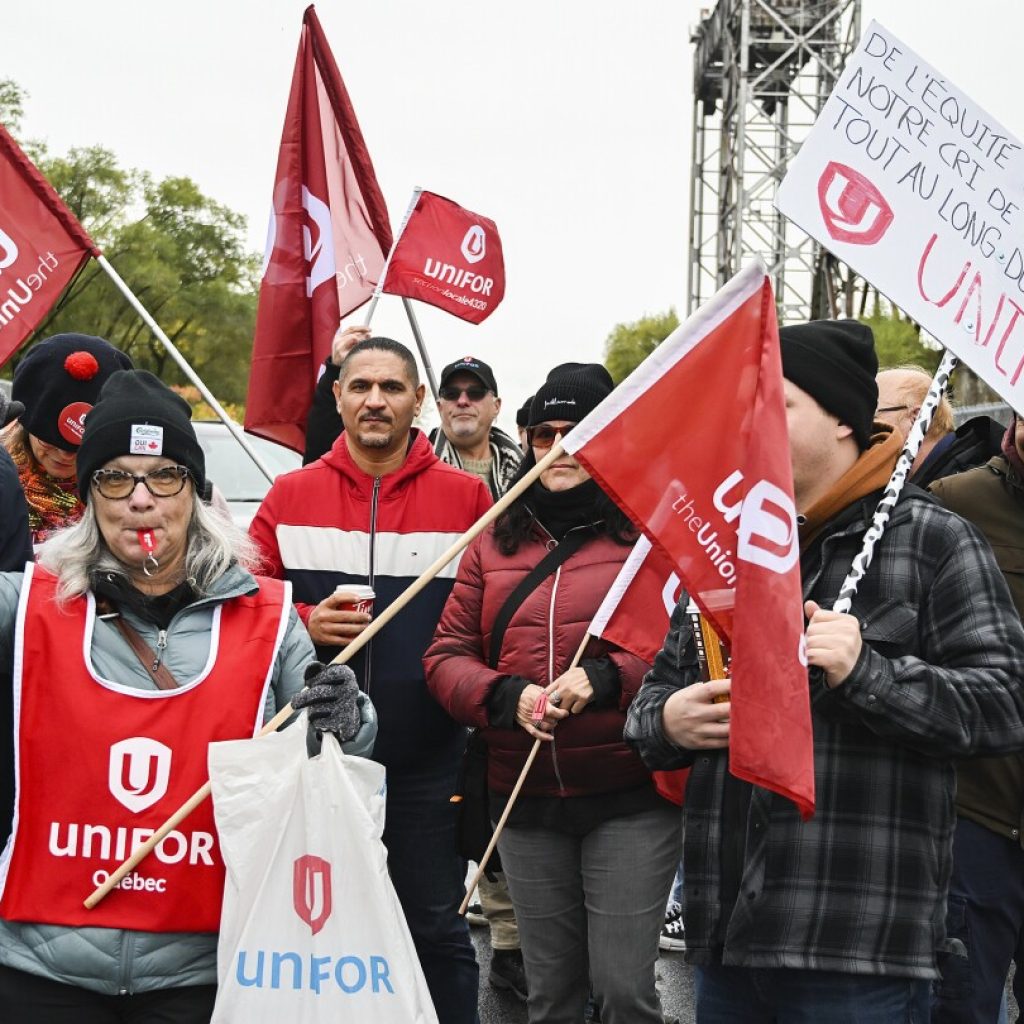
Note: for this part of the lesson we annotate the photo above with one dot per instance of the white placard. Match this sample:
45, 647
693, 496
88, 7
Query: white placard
914, 186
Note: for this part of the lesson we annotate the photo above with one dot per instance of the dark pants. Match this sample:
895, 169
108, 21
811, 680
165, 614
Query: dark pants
755, 995
30, 999
429, 878
986, 913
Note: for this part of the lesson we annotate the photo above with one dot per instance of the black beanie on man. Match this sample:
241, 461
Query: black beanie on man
137, 414
59, 382
571, 391
834, 361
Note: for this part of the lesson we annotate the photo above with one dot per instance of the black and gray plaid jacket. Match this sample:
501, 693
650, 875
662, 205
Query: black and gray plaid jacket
861, 887
505, 455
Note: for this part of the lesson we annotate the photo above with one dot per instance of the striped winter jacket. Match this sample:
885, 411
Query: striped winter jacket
330, 523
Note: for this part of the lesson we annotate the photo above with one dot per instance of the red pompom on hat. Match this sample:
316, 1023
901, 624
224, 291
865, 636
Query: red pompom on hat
82, 365
59, 381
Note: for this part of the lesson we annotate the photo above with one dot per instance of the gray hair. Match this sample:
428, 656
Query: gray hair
213, 544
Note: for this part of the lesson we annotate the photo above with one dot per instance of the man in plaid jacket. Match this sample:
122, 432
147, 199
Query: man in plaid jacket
839, 919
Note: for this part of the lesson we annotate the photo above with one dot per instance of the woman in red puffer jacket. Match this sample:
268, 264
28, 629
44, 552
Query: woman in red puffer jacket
589, 849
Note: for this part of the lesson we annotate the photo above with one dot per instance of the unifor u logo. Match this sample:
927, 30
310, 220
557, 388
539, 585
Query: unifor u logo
853, 209
474, 245
8, 250
311, 890
139, 771
317, 241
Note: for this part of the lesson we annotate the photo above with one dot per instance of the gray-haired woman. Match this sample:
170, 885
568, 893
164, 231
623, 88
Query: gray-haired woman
140, 637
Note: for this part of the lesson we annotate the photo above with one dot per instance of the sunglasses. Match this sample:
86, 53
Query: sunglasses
476, 393
543, 435
161, 483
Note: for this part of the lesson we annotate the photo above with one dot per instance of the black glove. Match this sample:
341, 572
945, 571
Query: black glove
331, 695
9, 410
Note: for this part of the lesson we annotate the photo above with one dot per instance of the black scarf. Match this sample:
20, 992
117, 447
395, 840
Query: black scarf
559, 511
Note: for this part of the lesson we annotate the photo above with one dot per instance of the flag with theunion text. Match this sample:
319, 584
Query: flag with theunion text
694, 447
42, 246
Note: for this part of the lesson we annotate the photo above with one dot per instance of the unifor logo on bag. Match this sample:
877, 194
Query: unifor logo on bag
311, 890
140, 769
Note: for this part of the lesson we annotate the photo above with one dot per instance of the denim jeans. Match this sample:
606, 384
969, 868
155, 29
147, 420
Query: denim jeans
756, 995
985, 911
591, 908
429, 878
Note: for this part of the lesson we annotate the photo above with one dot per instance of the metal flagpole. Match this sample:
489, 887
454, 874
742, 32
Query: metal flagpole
896, 482
183, 364
372, 308
417, 334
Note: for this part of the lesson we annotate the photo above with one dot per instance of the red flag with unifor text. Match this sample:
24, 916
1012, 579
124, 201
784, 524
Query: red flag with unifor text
42, 246
693, 446
450, 257
326, 245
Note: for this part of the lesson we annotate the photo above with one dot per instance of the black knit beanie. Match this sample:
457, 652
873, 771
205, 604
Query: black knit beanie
523, 413
571, 391
137, 414
59, 382
834, 361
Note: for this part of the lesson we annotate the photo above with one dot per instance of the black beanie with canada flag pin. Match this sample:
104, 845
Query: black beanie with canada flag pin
137, 414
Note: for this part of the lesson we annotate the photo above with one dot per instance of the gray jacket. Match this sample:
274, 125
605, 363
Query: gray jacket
109, 960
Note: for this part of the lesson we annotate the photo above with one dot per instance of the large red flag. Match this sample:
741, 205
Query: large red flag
326, 247
693, 446
42, 246
450, 257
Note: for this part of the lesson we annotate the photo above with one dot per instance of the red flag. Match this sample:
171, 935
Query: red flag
42, 246
694, 447
636, 610
450, 257
326, 247
634, 615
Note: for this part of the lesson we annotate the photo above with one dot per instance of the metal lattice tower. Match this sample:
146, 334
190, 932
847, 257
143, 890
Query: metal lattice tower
762, 72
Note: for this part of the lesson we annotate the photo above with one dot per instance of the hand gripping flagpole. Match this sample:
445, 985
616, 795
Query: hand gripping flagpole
378, 623
513, 796
896, 483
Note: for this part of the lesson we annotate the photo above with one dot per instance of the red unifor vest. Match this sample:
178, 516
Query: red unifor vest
100, 766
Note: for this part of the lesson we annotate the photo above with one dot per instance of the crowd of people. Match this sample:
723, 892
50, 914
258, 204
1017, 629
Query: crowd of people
131, 607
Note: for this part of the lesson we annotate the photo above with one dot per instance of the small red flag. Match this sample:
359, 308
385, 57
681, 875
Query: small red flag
326, 248
693, 446
450, 257
42, 246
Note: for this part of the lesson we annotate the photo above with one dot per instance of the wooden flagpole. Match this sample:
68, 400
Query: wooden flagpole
352, 649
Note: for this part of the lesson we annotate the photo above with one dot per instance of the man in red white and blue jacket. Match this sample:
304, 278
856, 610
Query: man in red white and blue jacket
378, 509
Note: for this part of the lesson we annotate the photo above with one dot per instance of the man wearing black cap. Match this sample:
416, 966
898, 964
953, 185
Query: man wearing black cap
840, 918
467, 438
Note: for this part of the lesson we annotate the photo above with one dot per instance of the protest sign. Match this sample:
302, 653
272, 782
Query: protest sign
907, 180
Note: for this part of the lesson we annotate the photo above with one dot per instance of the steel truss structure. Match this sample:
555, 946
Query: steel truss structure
762, 72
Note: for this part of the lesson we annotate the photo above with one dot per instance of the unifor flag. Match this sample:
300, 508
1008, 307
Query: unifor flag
450, 257
326, 245
42, 246
693, 446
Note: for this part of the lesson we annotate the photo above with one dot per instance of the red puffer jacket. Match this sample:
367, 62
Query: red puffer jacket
588, 755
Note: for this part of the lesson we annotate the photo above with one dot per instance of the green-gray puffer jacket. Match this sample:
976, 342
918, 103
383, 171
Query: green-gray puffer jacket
110, 960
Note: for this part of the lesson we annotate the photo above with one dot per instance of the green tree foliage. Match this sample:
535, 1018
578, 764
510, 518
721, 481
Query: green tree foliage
630, 344
182, 253
898, 340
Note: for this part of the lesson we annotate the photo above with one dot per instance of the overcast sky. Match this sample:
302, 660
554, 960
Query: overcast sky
566, 121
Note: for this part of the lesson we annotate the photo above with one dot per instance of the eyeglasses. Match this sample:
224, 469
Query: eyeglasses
161, 483
544, 434
476, 393
892, 408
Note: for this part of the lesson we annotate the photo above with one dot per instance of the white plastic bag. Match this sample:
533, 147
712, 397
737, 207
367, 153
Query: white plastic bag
311, 928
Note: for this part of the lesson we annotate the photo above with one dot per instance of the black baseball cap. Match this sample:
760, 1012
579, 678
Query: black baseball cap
470, 364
